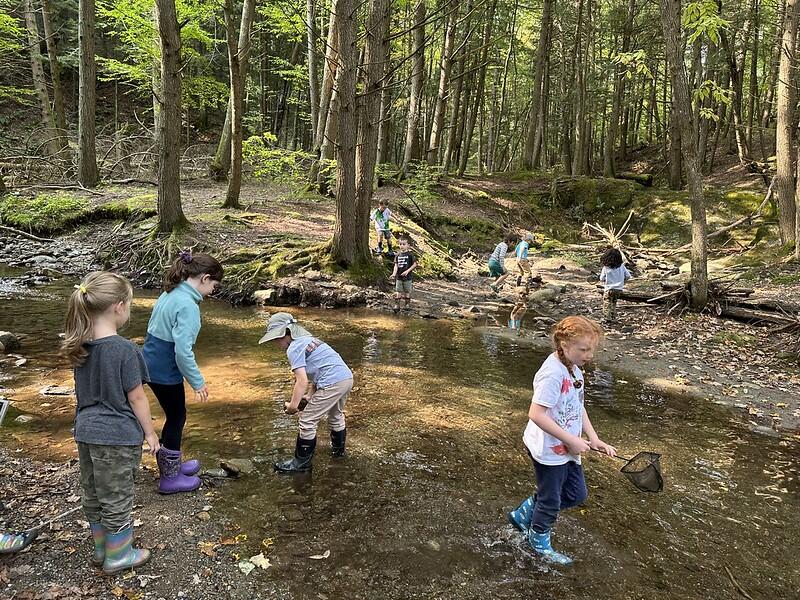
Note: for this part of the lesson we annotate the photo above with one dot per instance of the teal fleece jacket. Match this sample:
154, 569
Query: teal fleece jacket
171, 334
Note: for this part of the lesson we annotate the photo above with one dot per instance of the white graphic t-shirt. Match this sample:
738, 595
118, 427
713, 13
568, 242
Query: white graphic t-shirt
553, 387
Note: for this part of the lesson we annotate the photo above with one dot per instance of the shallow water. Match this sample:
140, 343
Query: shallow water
436, 459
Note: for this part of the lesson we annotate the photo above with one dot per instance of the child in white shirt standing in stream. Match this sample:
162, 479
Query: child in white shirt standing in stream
613, 276
553, 437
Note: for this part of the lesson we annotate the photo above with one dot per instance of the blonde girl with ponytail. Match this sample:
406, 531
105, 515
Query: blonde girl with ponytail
112, 416
553, 437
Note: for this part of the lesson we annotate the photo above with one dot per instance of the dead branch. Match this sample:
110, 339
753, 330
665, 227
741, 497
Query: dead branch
25, 234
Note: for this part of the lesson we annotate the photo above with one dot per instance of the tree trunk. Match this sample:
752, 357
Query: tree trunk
55, 75
376, 54
327, 127
785, 149
237, 60
609, 151
775, 58
542, 50
345, 235
87, 159
671, 22
675, 161
385, 122
313, 63
460, 67
412, 147
579, 95
49, 132
445, 66
481, 75
170, 211
221, 165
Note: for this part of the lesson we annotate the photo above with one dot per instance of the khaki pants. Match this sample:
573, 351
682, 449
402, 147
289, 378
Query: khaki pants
610, 298
325, 401
107, 474
524, 266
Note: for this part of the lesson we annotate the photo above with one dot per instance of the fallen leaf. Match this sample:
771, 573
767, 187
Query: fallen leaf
322, 556
73, 498
245, 566
260, 561
207, 548
137, 522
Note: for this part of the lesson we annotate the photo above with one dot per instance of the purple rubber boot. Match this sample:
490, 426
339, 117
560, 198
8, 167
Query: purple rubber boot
190, 467
172, 481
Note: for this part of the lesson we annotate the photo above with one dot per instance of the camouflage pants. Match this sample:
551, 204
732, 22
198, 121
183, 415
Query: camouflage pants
610, 298
107, 474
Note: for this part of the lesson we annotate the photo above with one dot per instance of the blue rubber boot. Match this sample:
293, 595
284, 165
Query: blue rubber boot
521, 517
99, 539
511, 323
540, 542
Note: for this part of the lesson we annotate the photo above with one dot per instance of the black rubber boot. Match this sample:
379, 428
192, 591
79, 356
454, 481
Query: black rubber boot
337, 443
303, 453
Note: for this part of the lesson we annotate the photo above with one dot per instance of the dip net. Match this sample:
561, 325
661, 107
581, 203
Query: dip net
644, 471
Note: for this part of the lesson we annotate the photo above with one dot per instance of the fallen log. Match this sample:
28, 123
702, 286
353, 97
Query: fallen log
645, 179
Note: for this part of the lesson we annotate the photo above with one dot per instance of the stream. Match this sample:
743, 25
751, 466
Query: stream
436, 459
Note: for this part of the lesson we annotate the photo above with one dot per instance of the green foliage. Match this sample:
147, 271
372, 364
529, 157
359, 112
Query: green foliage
634, 63
421, 184
711, 90
11, 34
277, 164
702, 18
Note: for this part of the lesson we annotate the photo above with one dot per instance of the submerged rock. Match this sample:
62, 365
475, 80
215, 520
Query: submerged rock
8, 342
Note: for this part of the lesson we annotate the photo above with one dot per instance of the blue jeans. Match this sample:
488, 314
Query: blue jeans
557, 487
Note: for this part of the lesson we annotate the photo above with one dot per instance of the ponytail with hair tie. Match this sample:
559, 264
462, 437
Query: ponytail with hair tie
188, 264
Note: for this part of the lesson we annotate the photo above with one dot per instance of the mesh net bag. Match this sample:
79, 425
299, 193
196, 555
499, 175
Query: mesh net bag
644, 471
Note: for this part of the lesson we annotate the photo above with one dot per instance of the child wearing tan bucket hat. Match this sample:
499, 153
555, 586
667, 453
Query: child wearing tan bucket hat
321, 378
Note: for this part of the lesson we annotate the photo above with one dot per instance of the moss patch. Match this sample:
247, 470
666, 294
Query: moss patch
44, 213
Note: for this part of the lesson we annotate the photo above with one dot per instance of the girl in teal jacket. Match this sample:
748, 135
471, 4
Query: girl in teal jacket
168, 352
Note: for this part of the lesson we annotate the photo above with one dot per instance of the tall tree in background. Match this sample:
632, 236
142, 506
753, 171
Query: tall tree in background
784, 136
219, 167
376, 56
313, 63
673, 40
345, 247
51, 40
170, 210
445, 67
238, 56
542, 50
50, 134
413, 146
87, 157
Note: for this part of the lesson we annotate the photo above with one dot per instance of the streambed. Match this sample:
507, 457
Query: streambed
436, 459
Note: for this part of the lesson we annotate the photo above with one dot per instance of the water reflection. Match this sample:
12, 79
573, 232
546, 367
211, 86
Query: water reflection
436, 457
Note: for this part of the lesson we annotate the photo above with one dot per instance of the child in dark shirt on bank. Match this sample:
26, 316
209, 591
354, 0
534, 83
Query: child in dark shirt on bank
404, 264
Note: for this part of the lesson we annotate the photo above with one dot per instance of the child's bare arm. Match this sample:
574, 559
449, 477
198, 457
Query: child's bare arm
141, 408
298, 391
538, 414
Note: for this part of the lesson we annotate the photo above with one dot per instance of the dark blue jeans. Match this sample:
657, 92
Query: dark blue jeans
557, 487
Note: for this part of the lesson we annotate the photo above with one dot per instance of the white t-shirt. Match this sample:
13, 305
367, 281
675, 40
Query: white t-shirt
614, 279
553, 387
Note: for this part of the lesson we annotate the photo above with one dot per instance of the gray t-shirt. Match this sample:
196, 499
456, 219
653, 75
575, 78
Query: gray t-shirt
113, 368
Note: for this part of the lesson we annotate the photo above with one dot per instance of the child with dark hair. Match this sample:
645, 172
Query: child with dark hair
171, 334
404, 264
497, 268
613, 276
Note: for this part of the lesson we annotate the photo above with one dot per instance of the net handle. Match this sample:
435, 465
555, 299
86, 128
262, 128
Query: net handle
615, 456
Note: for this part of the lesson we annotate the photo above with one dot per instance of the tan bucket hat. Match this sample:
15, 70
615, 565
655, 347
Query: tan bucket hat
279, 323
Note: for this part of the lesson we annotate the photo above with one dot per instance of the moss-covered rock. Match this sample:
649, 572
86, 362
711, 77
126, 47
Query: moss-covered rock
43, 214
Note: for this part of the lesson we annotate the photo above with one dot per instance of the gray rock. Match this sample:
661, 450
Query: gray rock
265, 296
237, 466
8, 342
56, 390
24, 419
